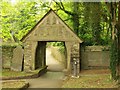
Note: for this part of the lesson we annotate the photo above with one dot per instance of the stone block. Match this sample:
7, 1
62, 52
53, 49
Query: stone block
17, 61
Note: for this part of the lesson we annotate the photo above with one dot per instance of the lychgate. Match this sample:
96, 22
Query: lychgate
50, 28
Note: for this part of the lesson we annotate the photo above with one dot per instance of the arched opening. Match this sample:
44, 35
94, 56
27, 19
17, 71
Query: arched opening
51, 54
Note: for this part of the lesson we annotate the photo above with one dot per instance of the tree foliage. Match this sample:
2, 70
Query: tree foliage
18, 19
83, 18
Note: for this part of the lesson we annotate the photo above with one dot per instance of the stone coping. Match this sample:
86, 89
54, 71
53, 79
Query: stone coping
95, 48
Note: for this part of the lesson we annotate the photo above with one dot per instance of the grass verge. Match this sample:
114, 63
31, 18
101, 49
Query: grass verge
14, 84
7, 73
90, 81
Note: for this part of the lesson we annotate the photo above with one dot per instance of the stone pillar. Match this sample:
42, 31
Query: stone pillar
75, 53
34, 47
68, 48
27, 56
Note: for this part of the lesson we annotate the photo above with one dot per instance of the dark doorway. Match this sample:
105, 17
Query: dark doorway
40, 57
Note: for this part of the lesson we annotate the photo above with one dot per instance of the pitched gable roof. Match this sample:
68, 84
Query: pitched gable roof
35, 25
47, 15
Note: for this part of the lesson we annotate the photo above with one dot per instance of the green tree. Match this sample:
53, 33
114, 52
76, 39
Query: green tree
19, 18
114, 10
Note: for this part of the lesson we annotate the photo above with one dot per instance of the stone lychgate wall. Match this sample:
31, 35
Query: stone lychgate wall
95, 57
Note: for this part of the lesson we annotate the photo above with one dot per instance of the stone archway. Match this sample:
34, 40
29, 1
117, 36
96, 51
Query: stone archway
40, 55
50, 28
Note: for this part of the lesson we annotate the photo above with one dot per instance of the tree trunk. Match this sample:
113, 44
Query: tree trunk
118, 28
76, 17
114, 45
113, 13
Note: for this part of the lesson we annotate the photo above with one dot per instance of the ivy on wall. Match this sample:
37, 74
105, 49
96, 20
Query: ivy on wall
113, 59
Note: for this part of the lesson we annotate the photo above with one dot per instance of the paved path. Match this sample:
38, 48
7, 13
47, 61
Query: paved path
49, 80
53, 64
53, 78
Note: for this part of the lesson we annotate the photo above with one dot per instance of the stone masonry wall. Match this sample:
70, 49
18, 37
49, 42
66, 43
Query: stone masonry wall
28, 56
91, 56
7, 55
95, 57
